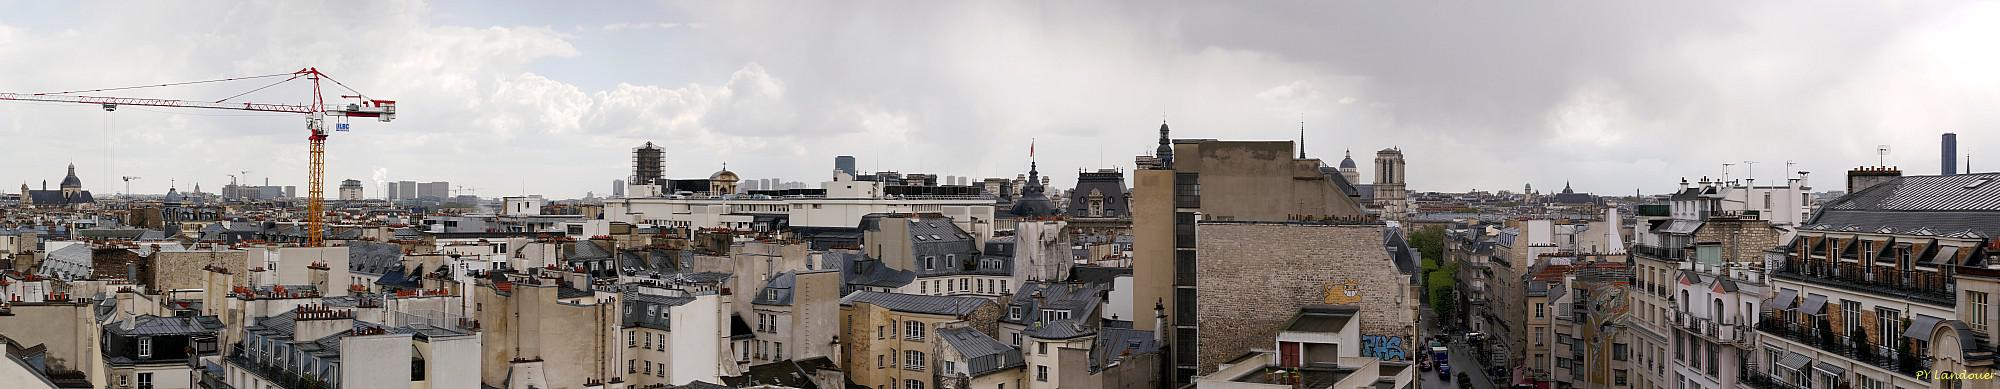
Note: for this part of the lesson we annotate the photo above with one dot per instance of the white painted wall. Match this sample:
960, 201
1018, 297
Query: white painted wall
386, 365
1121, 300
454, 362
698, 340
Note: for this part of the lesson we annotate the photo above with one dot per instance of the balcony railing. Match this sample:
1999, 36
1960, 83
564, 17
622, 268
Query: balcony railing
279, 376
1856, 349
1763, 380
1925, 286
1666, 253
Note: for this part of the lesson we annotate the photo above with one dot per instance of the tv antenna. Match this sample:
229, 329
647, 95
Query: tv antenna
1881, 155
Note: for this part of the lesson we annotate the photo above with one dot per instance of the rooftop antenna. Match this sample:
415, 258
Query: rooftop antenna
1752, 171
1881, 155
1725, 171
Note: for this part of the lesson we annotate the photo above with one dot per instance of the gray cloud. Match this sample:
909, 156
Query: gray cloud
1612, 96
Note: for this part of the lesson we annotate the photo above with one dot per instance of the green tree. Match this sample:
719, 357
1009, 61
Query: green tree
1429, 241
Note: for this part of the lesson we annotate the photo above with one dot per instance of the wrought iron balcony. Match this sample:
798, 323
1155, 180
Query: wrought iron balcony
1660, 252
1924, 286
1763, 380
1855, 349
278, 376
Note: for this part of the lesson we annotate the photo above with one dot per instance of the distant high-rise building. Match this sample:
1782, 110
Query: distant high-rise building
1949, 155
438, 190
389, 190
350, 190
844, 163
648, 165
406, 190
617, 188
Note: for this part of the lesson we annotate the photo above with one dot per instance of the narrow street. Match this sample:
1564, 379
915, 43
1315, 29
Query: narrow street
1462, 360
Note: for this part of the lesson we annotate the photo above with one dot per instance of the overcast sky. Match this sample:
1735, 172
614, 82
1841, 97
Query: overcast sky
549, 97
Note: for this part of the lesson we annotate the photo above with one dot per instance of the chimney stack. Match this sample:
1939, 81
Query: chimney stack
1949, 155
1861, 178
1160, 321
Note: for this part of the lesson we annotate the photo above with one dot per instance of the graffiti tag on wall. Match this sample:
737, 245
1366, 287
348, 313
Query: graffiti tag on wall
1387, 348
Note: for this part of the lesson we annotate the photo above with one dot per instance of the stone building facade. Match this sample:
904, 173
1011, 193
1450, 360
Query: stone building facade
1253, 277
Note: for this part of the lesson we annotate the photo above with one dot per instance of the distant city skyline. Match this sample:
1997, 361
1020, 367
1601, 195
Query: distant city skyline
548, 98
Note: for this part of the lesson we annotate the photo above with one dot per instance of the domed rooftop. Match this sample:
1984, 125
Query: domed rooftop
1348, 162
1033, 202
71, 181
724, 175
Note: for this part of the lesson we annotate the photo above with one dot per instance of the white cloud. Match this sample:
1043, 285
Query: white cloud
639, 26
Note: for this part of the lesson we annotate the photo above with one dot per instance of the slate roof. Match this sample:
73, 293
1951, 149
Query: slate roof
1035, 299
939, 238
373, 258
857, 271
1340, 180
936, 305
777, 291
790, 374
67, 263
149, 325
983, 354
1098, 274
699, 385
1108, 183
659, 260
55, 197
1113, 343
1942, 204
1407, 259
637, 306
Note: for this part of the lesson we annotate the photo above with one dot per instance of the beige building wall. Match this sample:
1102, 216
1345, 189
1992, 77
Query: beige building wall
1254, 277
574, 342
1260, 181
174, 270
68, 329
1153, 242
871, 333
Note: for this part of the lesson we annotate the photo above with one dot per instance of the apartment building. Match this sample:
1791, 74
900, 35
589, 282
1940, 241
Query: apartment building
1887, 286
1698, 263
891, 340
1187, 181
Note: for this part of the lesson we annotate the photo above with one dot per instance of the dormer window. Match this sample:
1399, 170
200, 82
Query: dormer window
771, 294
146, 347
1014, 312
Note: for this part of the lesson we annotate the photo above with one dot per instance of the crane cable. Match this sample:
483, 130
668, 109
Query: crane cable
357, 93
160, 85
294, 77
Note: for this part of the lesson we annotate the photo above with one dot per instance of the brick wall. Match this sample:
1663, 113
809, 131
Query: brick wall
1741, 240
172, 270
1255, 277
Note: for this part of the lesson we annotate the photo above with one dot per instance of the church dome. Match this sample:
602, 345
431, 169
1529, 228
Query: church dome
724, 175
1347, 162
70, 181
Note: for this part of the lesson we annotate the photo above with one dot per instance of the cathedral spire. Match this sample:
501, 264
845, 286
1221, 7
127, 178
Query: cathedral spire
1302, 136
1166, 151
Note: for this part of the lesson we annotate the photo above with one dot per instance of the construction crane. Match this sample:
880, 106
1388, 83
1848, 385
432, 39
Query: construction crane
128, 184
316, 113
